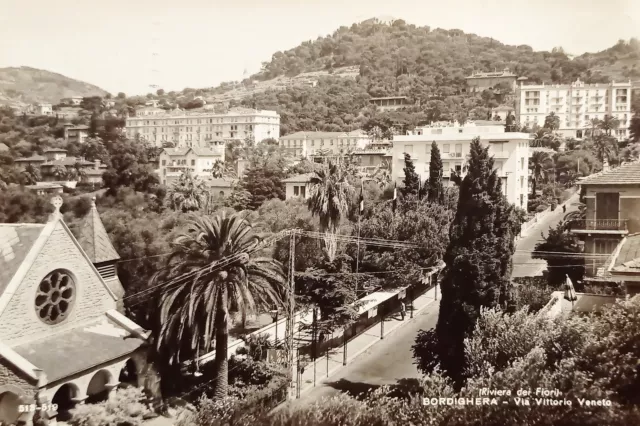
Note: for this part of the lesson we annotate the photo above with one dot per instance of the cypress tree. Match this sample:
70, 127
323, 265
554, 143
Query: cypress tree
478, 260
411, 178
435, 190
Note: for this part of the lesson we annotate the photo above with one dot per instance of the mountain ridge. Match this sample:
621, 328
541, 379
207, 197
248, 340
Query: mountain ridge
25, 85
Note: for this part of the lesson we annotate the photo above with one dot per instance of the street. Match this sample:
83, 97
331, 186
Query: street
385, 363
391, 360
523, 264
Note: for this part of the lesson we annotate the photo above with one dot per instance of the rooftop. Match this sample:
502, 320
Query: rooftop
202, 152
54, 150
303, 178
68, 161
505, 73
626, 174
30, 159
77, 350
93, 238
219, 182
388, 97
324, 135
16, 240
627, 258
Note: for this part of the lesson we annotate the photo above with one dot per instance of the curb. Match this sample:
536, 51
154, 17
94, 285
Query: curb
361, 351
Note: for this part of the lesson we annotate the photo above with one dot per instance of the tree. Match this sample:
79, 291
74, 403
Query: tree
188, 193
329, 195
264, 182
240, 199
160, 92
129, 166
33, 174
478, 260
435, 189
552, 121
382, 174
121, 95
604, 148
634, 128
541, 167
411, 178
221, 170
216, 262
608, 124
558, 240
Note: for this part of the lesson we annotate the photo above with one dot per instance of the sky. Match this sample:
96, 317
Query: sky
128, 45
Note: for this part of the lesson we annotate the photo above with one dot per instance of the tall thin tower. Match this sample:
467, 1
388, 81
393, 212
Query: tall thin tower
155, 83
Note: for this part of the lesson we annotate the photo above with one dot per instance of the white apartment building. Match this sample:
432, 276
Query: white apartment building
317, 145
199, 161
509, 150
200, 128
576, 104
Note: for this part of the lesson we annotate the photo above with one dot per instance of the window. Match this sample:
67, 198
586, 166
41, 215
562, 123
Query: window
605, 246
296, 190
521, 182
458, 168
445, 168
55, 297
164, 162
521, 200
193, 162
302, 191
446, 148
522, 163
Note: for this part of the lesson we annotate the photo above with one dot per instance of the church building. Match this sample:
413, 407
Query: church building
63, 337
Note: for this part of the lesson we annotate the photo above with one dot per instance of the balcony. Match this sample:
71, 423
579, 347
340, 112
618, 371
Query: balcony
599, 226
453, 154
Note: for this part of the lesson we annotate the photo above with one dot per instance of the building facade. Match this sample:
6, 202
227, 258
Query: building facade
315, 146
298, 186
509, 150
390, 103
612, 201
575, 104
199, 128
77, 134
481, 81
63, 338
198, 161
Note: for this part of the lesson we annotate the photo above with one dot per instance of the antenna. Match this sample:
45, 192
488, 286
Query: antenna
155, 33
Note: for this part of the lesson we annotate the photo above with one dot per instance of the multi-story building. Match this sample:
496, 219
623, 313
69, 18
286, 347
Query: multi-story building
42, 108
509, 150
201, 128
575, 104
612, 201
199, 161
502, 112
76, 133
390, 103
318, 145
369, 159
480, 81
74, 100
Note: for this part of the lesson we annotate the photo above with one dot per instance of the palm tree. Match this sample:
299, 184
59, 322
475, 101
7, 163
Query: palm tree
330, 193
382, 175
594, 124
540, 138
221, 170
541, 167
604, 147
194, 315
608, 124
59, 172
32, 174
80, 171
188, 193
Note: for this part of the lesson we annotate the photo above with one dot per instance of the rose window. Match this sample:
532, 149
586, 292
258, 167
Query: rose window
55, 297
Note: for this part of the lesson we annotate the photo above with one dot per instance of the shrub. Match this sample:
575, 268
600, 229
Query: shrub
541, 208
125, 408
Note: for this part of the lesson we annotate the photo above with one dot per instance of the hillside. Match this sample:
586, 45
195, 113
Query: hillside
307, 85
24, 85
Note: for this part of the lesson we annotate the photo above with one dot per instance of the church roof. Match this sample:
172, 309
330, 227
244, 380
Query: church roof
93, 238
16, 240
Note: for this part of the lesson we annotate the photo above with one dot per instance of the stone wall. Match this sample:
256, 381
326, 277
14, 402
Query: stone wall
19, 322
15, 381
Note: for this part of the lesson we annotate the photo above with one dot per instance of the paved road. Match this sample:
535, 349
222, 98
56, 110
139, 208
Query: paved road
523, 264
384, 363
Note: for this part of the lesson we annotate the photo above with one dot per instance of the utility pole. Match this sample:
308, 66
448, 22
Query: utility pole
291, 317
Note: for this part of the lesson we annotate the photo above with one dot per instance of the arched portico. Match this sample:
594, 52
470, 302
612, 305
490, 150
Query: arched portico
10, 407
99, 386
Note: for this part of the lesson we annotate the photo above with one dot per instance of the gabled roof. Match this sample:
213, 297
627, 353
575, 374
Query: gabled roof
627, 174
16, 240
93, 238
201, 152
627, 255
3, 147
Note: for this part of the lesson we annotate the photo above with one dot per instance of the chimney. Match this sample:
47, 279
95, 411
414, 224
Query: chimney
605, 165
96, 164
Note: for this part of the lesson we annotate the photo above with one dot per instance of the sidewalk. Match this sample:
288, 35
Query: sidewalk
327, 366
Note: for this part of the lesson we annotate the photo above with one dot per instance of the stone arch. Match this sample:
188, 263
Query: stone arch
10, 400
99, 386
130, 373
65, 397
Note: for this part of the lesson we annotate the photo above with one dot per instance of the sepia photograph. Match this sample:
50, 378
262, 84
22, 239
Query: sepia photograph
319, 213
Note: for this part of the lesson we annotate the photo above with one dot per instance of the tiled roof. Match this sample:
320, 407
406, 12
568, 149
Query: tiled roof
628, 258
55, 150
503, 108
81, 127
16, 241
299, 178
93, 238
627, 174
322, 135
176, 151
68, 161
223, 183
32, 158
205, 151
95, 172
74, 351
